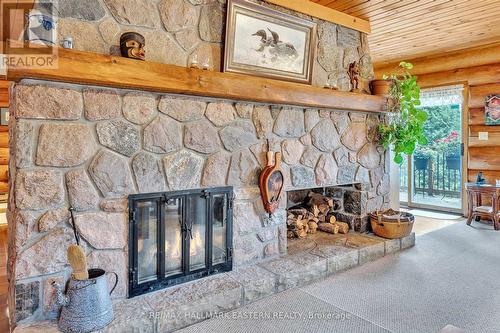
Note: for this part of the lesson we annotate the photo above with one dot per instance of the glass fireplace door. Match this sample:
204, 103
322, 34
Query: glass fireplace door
219, 228
175, 237
196, 233
147, 242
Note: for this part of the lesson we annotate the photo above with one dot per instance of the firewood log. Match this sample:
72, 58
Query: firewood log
324, 208
298, 211
315, 210
322, 218
313, 226
343, 227
328, 227
333, 219
314, 198
301, 233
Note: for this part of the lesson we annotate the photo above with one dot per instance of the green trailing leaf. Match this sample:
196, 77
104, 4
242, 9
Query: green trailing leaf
398, 159
422, 140
405, 128
422, 116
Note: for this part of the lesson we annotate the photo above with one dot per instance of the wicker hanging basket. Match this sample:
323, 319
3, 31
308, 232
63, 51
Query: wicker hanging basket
392, 224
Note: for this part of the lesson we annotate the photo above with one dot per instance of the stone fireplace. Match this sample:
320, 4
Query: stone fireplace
100, 150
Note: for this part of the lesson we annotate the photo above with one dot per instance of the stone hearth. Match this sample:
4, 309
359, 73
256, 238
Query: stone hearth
319, 256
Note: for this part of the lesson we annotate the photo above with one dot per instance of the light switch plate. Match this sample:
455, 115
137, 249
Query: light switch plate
4, 116
483, 136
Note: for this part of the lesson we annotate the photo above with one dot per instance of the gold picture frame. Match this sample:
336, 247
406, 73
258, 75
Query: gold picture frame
267, 43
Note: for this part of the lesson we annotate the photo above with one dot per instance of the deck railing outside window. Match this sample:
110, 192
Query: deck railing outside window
440, 177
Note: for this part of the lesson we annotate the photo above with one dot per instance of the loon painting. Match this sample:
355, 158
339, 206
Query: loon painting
277, 48
264, 42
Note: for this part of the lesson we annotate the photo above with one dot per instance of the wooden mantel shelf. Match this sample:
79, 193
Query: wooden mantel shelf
117, 72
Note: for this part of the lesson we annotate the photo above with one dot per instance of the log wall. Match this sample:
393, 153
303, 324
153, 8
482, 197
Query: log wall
483, 155
479, 71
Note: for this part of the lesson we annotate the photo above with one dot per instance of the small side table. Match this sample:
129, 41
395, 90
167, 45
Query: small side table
475, 207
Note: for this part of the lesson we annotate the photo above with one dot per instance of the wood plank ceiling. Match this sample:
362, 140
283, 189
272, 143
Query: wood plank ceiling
406, 29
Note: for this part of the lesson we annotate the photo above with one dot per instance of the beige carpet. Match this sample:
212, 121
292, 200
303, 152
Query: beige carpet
451, 277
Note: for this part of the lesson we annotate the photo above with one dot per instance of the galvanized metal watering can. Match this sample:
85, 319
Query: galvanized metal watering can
87, 305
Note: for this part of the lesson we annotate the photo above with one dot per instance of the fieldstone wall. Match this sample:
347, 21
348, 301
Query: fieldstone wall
90, 148
177, 31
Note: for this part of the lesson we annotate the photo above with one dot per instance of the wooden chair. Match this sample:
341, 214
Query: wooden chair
476, 208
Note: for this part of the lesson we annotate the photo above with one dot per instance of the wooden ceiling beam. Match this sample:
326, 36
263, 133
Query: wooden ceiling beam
450, 61
474, 76
319, 11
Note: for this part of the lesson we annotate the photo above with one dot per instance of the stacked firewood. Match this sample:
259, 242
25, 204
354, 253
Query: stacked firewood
312, 215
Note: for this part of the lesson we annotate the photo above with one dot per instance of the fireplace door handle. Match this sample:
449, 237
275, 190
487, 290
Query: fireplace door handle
187, 230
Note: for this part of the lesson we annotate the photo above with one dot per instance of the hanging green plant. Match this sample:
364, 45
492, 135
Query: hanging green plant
404, 128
